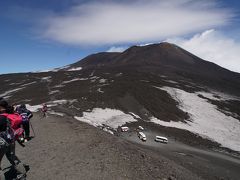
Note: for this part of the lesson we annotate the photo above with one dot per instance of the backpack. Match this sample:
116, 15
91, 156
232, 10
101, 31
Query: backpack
25, 118
15, 120
13, 128
25, 114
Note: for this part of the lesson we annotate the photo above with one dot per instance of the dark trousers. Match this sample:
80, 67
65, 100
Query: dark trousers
26, 128
9, 150
11, 156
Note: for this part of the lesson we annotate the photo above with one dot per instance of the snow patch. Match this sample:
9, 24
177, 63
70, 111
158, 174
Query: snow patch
83, 79
61, 68
207, 121
171, 81
101, 85
42, 71
56, 113
62, 101
75, 69
102, 81
92, 73
53, 92
214, 95
108, 130
8, 93
119, 74
209, 96
59, 86
12, 84
34, 108
75, 79
27, 84
94, 78
134, 115
72, 101
48, 78
110, 117
100, 90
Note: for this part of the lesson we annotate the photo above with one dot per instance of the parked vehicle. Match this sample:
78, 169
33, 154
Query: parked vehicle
124, 129
142, 136
161, 139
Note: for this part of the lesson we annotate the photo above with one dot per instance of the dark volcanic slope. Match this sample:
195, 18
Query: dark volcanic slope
167, 59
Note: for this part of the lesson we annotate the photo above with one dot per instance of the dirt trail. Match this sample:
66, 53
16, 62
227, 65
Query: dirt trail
67, 149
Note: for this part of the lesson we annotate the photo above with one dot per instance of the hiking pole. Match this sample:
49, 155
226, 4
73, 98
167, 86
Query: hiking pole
32, 129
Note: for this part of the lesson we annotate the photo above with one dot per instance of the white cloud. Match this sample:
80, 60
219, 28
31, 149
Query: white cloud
213, 46
117, 49
108, 23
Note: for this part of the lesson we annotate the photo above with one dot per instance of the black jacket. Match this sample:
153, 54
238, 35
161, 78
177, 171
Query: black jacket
3, 123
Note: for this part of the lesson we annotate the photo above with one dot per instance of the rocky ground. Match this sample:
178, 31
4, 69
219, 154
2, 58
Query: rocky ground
64, 148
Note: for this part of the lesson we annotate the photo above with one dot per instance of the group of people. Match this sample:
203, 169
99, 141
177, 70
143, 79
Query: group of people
14, 126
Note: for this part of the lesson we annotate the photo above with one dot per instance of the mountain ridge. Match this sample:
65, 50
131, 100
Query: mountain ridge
159, 52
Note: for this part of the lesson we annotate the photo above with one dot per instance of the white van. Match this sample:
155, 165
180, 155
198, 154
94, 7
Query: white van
161, 139
141, 128
142, 136
124, 129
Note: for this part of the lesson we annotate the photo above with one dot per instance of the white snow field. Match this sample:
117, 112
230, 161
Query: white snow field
206, 120
34, 108
110, 117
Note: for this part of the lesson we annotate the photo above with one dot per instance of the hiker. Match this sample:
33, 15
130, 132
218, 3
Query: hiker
8, 137
3, 144
44, 109
26, 116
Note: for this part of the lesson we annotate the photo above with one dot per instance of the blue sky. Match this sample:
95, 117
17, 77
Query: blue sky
40, 35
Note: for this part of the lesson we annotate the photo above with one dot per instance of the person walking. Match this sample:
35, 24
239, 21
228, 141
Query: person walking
3, 143
7, 139
44, 109
26, 116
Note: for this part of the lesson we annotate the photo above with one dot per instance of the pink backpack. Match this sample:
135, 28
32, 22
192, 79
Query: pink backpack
15, 123
15, 120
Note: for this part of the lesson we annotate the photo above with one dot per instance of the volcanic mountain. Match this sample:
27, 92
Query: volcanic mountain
164, 59
161, 84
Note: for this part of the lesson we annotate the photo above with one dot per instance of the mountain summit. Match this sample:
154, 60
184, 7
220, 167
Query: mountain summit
165, 59
163, 54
